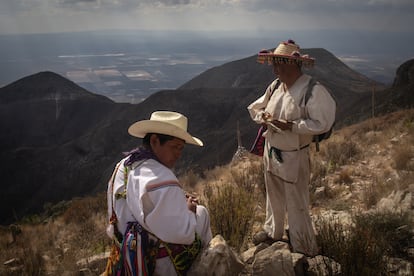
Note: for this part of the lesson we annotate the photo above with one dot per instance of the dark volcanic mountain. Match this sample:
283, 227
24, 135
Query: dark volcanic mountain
399, 96
346, 85
59, 141
52, 147
48, 107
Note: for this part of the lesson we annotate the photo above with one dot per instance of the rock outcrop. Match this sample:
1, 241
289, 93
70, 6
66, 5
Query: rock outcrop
405, 74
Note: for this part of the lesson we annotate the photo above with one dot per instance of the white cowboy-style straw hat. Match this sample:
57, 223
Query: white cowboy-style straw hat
286, 53
165, 122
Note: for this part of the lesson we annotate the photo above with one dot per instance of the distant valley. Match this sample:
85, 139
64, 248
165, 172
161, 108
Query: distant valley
130, 66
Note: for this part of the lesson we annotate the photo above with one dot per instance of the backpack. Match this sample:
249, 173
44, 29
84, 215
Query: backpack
323, 136
258, 144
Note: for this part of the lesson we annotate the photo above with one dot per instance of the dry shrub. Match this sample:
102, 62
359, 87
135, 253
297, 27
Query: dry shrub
231, 212
219, 173
319, 188
250, 176
391, 231
80, 209
344, 177
372, 124
189, 180
33, 261
372, 137
341, 153
408, 125
331, 198
369, 196
28, 249
231, 205
319, 170
381, 187
404, 181
53, 246
402, 157
356, 254
374, 191
339, 204
86, 220
360, 247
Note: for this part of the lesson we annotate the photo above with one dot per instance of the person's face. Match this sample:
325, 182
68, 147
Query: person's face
169, 152
284, 71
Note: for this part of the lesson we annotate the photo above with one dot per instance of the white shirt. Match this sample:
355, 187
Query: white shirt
289, 105
156, 200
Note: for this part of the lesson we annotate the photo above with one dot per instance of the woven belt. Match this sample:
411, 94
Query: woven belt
162, 253
175, 249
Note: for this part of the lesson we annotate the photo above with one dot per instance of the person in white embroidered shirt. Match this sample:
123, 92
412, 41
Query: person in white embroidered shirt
160, 228
291, 124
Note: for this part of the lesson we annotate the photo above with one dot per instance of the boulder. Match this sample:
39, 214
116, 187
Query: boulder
217, 259
323, 266
274, 260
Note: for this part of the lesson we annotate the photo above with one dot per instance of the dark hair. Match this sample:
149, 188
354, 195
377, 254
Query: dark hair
162, 137
283, 60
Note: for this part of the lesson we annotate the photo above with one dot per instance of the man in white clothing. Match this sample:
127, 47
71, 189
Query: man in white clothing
160, 228
291, 124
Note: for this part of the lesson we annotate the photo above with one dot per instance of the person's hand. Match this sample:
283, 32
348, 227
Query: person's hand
266, 116
192, 202
283, 125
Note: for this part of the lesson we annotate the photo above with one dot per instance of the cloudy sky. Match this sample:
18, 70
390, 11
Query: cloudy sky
43, 16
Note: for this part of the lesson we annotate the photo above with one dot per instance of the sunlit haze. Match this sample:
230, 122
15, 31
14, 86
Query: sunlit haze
153, 45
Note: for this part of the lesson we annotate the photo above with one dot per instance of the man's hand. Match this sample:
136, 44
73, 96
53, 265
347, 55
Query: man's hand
192, 202
283, 125
266, 116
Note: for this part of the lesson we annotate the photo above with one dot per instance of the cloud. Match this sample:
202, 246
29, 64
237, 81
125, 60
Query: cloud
323, 6
283, 5
16, 6
318, 6
55, 15
174, 2
126, 5
78, 1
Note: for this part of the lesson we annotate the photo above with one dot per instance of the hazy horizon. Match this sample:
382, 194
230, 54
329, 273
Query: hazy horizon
134, 48
130, 65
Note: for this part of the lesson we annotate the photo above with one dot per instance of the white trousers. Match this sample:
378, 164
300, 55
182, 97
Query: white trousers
292, 199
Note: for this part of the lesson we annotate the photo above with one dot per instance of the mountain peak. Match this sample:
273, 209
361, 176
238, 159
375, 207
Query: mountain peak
43, 86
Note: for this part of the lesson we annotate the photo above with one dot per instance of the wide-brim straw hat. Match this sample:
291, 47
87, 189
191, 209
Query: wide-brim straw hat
286, 53
165, 122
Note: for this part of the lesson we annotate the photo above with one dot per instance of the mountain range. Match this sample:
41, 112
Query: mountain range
60, 141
